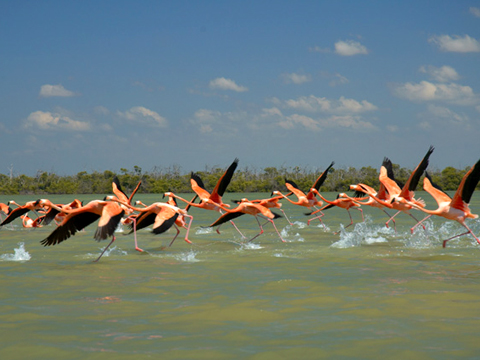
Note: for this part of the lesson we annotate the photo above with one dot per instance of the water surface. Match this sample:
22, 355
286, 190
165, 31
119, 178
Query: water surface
366, 292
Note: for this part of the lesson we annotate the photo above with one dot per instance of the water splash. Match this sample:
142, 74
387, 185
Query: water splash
432, 237
20, 254
250, 246
288, 237
190, 257
300, 224
204, 230
363, 233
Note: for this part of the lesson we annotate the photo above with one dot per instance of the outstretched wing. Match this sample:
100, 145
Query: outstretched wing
321, 179
223, 182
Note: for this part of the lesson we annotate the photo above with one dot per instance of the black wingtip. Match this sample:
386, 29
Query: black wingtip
471, 182
276, 216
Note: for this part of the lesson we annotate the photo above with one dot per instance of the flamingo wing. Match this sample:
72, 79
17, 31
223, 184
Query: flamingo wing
198, 187
72, 223
390, 185
412, 182
144, 219
467, 186
223, 182
134, 192
14, 214
164, 220
227, 217
118, 191
50, 215
433, 189
321, 179
112, 213
292, 187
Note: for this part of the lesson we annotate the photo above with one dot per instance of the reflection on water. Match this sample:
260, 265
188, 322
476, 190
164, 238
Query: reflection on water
366, 292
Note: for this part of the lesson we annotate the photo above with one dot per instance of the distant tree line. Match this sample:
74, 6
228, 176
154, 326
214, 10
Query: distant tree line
160, 180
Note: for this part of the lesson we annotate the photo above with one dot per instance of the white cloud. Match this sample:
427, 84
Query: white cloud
348, 121
226, 84
296, 78
144, 116
338, 80
319, 49
446, 113
456, 43
425, 125
441, 74
271, 112
350, 48
206, 119
54, 121
475, 11
305, 121
289, 122
321, 104
55, 90
427, 91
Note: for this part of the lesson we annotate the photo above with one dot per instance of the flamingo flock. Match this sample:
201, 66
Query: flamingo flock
161, 216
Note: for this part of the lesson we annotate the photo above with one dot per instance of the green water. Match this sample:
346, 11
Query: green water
364, 293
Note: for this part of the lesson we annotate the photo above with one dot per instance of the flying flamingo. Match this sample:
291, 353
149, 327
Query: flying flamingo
271, 202
58, 216
307, 200
107, 212
124, 198
254, 209
21, 210
161, 215
210, 201
455, 208
362, 189
342, 201
403, 199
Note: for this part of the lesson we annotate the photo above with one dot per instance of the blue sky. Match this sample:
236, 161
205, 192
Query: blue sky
103, 85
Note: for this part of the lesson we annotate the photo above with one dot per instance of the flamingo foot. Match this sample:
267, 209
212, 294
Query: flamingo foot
139, 250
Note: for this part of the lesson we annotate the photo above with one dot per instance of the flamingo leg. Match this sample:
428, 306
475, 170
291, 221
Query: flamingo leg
465, 233
111, 242
392, 217
351, 220
393, 220
286, 217
188, 228
418, 223
261, 230
280, 236
319, 218
363, 219
414, 218
235, 226
453, 237
178, 232
135, 234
